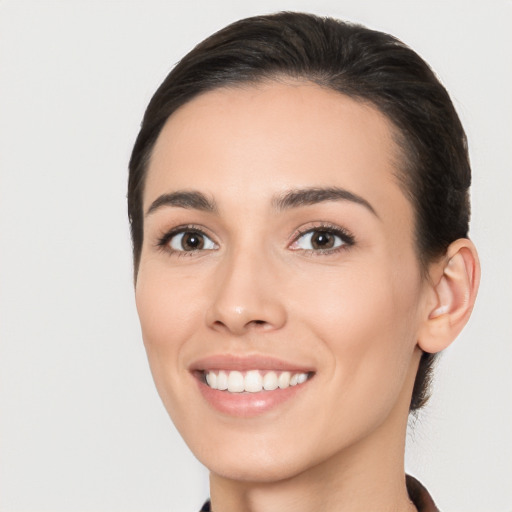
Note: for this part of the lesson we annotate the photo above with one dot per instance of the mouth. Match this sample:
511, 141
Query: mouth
249, 386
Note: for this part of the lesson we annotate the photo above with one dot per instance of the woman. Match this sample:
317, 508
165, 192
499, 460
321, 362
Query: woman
298, 199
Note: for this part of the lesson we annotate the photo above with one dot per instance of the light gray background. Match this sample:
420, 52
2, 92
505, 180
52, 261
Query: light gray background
81, 426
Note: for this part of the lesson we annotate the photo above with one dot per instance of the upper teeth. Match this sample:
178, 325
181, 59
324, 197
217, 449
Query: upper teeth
253, 381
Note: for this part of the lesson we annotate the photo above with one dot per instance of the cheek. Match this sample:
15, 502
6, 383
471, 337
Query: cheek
170, 312
365, 321
167, 305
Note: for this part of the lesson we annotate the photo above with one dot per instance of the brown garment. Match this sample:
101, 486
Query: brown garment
418, 494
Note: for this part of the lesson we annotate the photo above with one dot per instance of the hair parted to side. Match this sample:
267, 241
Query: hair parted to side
363, 64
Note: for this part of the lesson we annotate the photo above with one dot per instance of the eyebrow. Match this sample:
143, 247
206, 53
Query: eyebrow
296, 198
310, 196
184, 199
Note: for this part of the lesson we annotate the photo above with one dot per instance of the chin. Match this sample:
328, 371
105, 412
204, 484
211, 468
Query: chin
256, 466
263, 455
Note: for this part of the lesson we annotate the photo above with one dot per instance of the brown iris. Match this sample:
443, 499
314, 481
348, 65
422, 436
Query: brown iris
322, 240
192, 241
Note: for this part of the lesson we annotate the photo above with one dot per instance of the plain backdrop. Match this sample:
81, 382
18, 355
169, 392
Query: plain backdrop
81, 426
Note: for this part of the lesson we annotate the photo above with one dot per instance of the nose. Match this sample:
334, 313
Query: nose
245, 296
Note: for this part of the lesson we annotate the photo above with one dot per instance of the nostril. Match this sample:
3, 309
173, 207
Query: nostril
259, 324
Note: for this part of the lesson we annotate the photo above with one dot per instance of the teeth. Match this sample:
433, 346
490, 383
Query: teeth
270, 381
253, 381
283, 381
235, 382
211, 379
301, 378
222, 381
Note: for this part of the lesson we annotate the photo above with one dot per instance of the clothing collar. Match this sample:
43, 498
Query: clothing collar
418, 494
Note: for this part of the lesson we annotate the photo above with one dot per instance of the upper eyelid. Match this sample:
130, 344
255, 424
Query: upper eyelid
321, 226
183, 228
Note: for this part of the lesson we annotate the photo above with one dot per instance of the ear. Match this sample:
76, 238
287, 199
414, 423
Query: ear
452, 295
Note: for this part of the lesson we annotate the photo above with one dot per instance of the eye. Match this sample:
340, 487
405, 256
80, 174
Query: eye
322, 240
188, 241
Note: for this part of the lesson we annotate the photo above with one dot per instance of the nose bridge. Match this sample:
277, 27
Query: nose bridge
245, 292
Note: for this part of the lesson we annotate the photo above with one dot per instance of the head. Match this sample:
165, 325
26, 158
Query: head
364, 69
363, 64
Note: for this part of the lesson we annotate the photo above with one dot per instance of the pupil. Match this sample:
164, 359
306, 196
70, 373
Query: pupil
192, 241
322, 240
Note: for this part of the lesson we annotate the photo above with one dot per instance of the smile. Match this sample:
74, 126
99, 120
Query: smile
250, 385
253, 381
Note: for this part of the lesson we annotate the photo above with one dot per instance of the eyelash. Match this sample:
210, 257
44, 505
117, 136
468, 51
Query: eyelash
163, 241
346, 237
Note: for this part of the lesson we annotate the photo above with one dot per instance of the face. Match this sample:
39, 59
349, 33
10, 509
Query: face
278, 261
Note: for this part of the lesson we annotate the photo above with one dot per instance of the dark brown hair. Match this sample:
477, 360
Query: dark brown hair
364, 64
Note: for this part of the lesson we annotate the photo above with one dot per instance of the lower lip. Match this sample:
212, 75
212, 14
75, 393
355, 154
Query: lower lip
246, 404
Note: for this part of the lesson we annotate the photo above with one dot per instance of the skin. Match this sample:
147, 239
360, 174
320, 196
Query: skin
354, 315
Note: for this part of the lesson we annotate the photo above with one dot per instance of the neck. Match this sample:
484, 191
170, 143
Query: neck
320, 489
368, 475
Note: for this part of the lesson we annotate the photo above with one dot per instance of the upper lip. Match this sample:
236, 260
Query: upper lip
247, 362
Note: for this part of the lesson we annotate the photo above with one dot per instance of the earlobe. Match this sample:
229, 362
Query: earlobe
453, 295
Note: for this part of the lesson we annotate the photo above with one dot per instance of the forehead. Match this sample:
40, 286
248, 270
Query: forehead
266, 138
